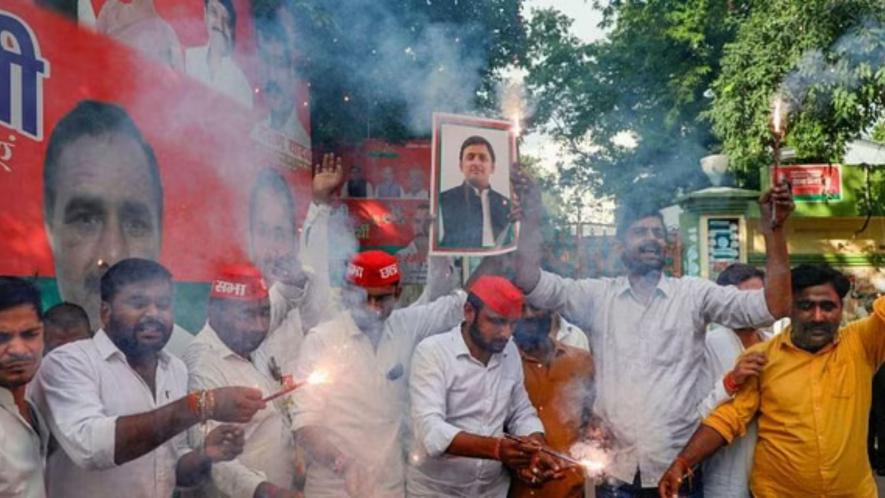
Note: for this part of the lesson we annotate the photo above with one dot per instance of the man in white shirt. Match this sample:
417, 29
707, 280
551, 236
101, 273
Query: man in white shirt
466, 389
221, 355
727, 473
23, 433
353, 427
647, 334
213, 63
118, 404
413, 258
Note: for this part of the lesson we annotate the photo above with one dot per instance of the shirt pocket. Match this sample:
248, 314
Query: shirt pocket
842, 385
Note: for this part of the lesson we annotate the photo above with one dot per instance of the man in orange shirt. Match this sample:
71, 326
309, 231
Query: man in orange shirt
812, 400
559, 382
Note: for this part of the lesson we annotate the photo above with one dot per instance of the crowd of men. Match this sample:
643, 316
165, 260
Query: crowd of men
294, 388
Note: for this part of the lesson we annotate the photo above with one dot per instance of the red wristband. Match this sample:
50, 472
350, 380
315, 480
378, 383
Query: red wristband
193, 402
685, 464
731, 386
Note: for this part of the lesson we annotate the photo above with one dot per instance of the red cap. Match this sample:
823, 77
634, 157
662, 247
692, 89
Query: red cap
373, 269
240, 282
499, 294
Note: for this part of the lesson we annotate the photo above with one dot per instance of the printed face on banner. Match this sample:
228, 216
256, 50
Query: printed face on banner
104, 134
471, 169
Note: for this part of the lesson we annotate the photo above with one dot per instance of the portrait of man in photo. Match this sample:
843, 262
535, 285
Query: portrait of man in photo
473, 214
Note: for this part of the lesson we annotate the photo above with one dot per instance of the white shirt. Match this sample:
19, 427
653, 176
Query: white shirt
727, 472
228, 78
82, 388
488, 235
178, 341
365, 401
454, 392
413, 264
648, 357
22, 451
269, 451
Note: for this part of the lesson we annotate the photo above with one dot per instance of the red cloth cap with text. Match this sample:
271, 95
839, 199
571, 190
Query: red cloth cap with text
373, 269
239, 282
499, 294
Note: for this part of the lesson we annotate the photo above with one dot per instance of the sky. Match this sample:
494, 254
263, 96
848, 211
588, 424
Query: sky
585, 26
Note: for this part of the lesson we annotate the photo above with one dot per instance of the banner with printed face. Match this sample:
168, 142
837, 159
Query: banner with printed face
144, 133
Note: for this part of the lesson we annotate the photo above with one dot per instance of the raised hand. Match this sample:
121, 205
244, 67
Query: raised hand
780, 199
224, 443
327, 177
235, 404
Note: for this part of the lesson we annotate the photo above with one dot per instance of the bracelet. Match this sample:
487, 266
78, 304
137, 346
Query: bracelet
731, 386
498, 448
210, 405
193, 402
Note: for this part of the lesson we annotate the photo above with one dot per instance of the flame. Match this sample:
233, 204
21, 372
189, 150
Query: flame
516, 119
513, 103
779, 111
317, 377
593, 458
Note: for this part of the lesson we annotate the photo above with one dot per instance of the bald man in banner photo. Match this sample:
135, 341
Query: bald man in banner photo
102, 202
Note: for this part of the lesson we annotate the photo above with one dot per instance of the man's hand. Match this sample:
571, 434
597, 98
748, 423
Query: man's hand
327, 177
779, 198
224, 443
236, 404
671, 481
748, 365
517, 453
526, 197
268, 490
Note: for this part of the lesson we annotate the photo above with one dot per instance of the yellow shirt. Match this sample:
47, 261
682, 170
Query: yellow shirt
813, 414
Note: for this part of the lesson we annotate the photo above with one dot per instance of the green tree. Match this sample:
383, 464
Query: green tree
646, 81
827, 57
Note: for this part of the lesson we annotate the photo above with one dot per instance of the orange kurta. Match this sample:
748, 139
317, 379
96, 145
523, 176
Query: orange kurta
813, 413
560, 391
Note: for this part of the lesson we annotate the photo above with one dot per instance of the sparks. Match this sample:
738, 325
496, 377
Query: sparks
317, 377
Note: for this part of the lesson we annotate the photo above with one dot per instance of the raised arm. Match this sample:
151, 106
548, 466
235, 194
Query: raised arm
778, 290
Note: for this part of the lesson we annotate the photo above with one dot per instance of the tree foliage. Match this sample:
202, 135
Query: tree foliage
827, 57
685, 78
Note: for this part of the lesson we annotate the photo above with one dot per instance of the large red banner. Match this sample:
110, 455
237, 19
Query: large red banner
120, 106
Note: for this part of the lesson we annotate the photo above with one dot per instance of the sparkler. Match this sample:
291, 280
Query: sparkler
590, 465
778, 127
102, 264
317, 377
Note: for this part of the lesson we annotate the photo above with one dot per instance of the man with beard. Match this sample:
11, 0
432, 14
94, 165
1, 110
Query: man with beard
559, 382
118, 403
647, 334
102, 202
466, 388
812, 400
213, 63
353, 427
23, 432
221, 355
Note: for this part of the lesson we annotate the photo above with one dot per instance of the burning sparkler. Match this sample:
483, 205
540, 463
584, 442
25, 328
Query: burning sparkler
315, 378
780, 109
591, 459
102, 264
513, 103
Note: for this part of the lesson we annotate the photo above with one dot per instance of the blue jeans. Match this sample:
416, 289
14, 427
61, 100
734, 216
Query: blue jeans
693, 488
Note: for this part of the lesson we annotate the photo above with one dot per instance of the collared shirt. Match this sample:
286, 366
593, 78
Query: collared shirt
364, 403
227, 79
22, 451
268, 453
452, 392
726, 473
813, 410
488, 236
82, 388
561, 389
647, 357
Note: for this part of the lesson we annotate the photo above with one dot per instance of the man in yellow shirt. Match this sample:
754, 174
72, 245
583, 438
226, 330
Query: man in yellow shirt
812, 400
